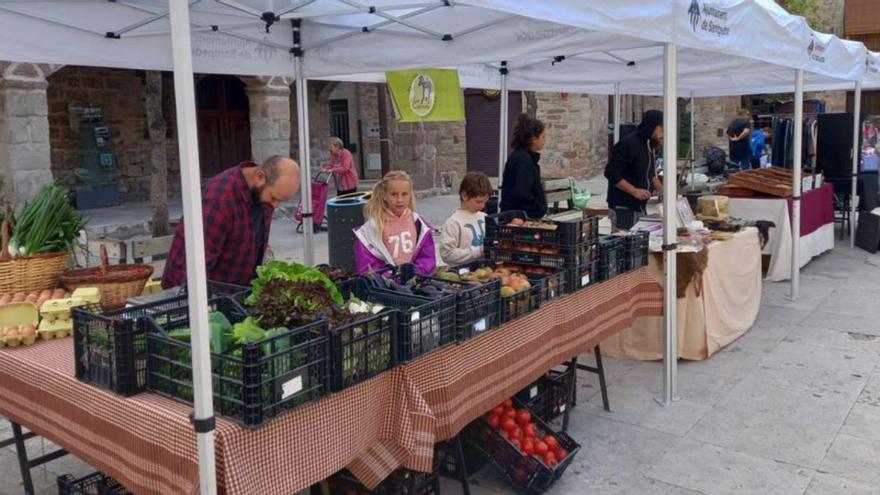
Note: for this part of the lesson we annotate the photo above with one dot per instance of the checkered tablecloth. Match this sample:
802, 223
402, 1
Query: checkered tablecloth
393, 420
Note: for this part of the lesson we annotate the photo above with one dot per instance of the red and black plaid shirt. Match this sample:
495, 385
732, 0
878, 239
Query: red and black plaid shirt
231, 250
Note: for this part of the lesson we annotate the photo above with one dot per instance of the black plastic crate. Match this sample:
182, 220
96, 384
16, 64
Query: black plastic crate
585, 275
548, 395
476, 306
611, 256
252, 384
399, 482
559, 261
363, 349
635, 251
543, 288
423, 324
110, 348
525, 473
565, 234
449, 464
96, 483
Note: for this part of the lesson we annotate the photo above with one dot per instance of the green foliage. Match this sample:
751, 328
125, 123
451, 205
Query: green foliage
809, 9
293, 272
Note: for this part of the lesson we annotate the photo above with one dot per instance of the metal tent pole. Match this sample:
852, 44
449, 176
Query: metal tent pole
616, 112
856, 153
670, 235
196, 272
302, 127
503, 131
693, 142
797, 166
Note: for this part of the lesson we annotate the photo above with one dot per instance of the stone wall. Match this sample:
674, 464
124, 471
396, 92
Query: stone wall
24, 131
835, 101
368, 114
119, 93
576, 134
427, 151
712, 117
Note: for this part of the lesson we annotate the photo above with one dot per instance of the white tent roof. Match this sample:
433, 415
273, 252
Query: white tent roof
344, 37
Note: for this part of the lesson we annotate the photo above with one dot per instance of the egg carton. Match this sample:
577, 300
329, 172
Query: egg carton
55, 329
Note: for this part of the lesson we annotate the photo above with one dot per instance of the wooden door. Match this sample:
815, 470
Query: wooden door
224, 123
483, 114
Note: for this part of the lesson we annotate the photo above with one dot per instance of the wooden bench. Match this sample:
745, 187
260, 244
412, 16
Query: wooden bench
153, 252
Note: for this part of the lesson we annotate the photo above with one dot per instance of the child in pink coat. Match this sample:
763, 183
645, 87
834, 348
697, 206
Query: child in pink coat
394, 234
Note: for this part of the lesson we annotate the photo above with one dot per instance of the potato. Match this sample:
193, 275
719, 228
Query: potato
19, 297
11, 332
32, 297
58, 294
5, 299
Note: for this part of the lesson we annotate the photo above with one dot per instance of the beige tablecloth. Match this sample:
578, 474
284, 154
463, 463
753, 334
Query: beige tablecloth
725, 309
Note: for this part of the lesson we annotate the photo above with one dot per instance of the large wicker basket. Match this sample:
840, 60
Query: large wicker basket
117, 283
29, 273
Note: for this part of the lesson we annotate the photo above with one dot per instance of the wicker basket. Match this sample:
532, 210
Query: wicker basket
117, 283
28, 273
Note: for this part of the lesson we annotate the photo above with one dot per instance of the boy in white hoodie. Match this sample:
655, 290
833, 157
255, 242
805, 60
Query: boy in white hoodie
464, 231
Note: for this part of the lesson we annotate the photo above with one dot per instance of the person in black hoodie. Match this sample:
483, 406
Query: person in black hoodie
630, 172
521, 187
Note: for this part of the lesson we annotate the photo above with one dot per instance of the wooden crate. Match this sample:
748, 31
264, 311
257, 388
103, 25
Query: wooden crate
774, 181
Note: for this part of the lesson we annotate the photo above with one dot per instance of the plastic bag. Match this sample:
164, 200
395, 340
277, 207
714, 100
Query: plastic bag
580, 196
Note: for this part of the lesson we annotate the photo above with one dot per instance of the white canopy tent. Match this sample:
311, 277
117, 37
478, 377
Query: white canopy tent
331, 38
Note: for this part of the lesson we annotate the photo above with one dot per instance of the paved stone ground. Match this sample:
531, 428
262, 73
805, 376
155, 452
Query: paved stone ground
792, 407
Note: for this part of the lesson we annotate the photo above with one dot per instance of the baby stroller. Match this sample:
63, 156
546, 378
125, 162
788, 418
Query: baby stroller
320, 185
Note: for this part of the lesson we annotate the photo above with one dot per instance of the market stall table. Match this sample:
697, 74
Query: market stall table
817, 226
148, 444
713, 313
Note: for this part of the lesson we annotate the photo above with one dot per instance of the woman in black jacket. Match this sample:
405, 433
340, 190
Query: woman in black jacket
521, 187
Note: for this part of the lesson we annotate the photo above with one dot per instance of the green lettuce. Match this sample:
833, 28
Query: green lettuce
293, 272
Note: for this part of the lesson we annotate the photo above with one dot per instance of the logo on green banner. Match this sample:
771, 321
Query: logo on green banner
426, 95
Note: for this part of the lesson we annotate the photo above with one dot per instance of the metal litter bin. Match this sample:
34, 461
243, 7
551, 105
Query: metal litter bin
344, 214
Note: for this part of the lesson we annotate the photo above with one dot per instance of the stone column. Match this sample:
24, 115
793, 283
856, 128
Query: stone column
269, 100
25, 163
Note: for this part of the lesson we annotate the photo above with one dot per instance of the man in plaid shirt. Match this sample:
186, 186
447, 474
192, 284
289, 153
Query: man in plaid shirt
237, 206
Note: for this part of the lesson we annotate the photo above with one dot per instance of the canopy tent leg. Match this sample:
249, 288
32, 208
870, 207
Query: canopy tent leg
670, 234
503, 131
616, 112
857, 121
797, 166
196, 272
693, 141
302, 127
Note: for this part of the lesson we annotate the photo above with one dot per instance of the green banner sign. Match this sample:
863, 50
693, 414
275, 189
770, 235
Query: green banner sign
426, 95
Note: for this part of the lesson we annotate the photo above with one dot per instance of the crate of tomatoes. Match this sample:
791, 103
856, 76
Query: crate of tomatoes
527, 453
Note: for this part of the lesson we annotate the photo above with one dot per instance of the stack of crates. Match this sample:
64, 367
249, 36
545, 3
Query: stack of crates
635, 246
565, 241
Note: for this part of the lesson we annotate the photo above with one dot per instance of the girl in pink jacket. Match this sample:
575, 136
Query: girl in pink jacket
394, 234
341, 165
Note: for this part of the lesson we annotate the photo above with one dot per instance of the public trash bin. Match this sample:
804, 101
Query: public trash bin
344, 214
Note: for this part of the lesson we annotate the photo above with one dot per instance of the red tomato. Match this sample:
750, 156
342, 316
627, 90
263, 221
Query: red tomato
504, 433
551, 442
507, 403
510, 413
517, 433
550, 460
530, 430
498, 410
516, 443
494, 421
528, 446
509, 425
523, 417
561, 454
541, 448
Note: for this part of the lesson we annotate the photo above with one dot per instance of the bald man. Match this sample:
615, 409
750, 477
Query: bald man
237, 206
